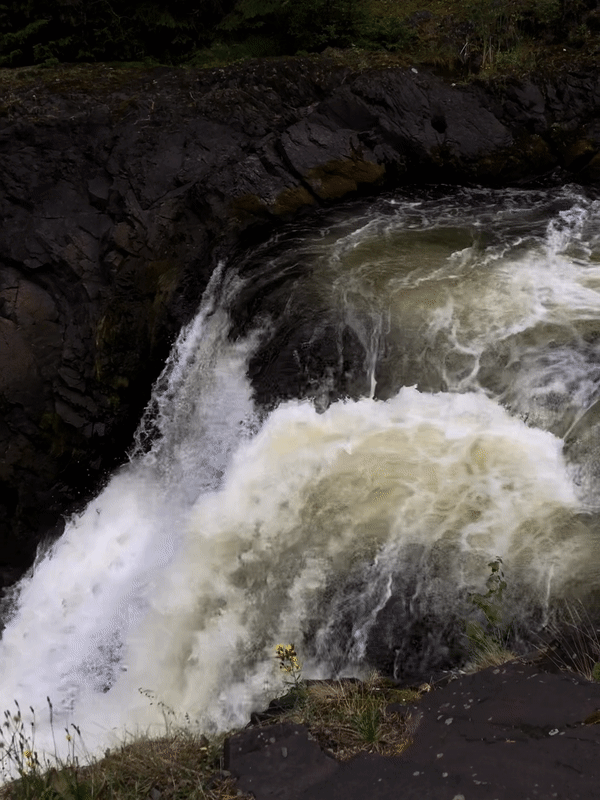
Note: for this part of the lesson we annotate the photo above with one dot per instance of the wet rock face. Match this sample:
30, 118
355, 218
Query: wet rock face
119, 191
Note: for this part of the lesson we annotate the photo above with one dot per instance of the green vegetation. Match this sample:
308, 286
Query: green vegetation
465, 37
575, 642
488, 642
345, 716
185, 765
52, 31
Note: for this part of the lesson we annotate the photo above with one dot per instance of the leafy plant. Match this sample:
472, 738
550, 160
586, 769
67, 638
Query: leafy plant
288, 662
576, 641
488, 643
496, 28
489, 603
389, 33
296, 695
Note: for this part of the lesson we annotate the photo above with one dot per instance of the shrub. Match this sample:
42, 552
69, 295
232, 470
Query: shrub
389, 33
307, 25
48, 31
488, 643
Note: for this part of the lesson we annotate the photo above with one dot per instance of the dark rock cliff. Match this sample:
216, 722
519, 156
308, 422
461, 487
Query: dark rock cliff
120, 189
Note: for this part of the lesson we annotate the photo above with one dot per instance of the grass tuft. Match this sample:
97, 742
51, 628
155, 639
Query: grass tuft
489, 653
575, 641
347, 716
181, 765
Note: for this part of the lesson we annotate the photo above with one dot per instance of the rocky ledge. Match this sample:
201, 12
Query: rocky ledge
120, 189
492, 735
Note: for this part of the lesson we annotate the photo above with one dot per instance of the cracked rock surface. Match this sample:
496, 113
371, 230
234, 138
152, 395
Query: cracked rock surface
506, 733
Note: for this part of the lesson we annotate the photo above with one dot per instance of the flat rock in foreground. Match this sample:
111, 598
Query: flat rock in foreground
509, 732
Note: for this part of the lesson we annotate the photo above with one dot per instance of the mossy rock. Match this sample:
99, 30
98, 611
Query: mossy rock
248, 205
337, 178
291, 199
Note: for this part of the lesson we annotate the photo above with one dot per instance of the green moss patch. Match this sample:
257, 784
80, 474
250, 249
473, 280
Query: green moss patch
339, 177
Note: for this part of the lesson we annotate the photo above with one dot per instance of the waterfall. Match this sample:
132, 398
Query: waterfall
353, 526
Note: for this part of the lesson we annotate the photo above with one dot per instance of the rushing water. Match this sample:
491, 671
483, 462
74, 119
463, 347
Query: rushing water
353, 528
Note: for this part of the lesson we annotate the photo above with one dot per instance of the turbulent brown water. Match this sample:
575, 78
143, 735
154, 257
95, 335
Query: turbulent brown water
352, 526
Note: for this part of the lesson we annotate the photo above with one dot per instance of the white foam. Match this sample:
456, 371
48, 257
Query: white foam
209, 548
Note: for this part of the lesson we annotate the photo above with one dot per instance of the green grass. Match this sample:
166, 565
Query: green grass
575, 642
462, 40
180, 765
346, 717
492, 37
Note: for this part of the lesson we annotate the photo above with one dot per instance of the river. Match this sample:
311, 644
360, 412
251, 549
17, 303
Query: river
351, 507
